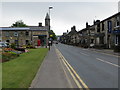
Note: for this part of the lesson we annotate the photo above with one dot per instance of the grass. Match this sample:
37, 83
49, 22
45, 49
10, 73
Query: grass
0, 75
20, 72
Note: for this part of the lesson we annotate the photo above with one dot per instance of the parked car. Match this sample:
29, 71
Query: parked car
3, 44
92, 45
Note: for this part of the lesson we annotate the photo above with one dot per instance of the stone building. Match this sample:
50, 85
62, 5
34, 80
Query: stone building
72, 35
87, 36
108, 31
102, 34
31, 35
69, 37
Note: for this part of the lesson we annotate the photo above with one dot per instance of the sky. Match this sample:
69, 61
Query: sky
63, 15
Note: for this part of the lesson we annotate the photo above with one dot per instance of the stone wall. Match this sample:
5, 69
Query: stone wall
23, 37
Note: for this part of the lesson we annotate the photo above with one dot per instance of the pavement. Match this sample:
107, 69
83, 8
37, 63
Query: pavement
53, 73
108, 51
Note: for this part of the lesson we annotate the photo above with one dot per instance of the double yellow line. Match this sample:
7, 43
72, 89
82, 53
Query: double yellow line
79, 82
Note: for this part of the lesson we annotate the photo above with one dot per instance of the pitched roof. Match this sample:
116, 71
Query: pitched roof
15, 28
24, 28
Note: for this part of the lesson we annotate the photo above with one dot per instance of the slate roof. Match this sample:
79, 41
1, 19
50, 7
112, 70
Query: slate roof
24, 28
10, 28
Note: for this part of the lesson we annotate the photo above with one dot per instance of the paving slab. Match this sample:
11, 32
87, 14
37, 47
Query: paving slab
51, 73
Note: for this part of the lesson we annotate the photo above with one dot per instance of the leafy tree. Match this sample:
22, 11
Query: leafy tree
19, 23
52, 35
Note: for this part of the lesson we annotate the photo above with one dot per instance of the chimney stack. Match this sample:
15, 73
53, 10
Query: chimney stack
40, 24
87, 25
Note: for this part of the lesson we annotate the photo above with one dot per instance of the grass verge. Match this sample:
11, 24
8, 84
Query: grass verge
20, 72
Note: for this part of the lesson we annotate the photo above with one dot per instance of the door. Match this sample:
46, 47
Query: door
39, 42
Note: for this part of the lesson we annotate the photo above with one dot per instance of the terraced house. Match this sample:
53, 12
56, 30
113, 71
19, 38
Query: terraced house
108, 31
102, 34
30, 35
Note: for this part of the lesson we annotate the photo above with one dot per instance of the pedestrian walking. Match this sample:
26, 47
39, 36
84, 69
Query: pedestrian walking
49, 43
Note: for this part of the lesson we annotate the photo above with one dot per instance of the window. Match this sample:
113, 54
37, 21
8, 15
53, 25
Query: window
27, 42
102, 26
109, 26
7, 34
8, 41
117, 40
98, 27
0, 33
16, 41
27, 33
118, 21
15, 34
92, 40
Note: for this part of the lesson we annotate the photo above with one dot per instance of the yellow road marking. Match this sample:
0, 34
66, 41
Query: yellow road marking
78, 77
76, 81
79, 86
107, 62
68, 79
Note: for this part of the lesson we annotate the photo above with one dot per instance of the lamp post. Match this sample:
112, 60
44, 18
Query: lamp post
50, 7
50, 42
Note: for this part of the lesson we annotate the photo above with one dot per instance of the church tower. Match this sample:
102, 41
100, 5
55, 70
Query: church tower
47, 20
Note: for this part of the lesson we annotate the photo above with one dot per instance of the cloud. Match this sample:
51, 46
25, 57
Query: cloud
63, 15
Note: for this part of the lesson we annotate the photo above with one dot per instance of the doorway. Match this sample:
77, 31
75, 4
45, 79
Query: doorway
42, 39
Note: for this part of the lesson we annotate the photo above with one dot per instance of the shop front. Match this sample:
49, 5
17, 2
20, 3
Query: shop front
40, 40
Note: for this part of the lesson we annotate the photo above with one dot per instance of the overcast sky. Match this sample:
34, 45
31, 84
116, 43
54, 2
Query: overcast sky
63, 15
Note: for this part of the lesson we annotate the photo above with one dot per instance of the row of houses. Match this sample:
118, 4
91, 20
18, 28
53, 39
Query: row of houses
30, 35
102, 34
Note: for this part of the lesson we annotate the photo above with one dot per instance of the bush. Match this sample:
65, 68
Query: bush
13, 45
6, 56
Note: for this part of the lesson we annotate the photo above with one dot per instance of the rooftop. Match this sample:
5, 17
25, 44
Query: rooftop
24, 28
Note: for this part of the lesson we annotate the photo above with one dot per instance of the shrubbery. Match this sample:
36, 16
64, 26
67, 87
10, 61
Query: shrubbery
6, 56
9, 53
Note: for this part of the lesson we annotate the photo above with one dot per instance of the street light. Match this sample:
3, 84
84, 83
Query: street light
50, 7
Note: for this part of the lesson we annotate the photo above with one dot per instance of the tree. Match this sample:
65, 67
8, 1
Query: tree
52, 35
19, 23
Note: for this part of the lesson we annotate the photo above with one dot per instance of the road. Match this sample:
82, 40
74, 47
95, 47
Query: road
97, 70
